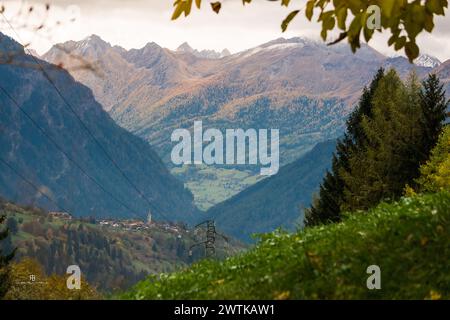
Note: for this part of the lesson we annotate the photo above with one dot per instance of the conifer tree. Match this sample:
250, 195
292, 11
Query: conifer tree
4, 261
390, 156
434, 106
327, 207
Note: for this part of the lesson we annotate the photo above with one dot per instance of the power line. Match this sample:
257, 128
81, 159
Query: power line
211, 232
209, 243
61, 208
62, 151
210, 224
85, 127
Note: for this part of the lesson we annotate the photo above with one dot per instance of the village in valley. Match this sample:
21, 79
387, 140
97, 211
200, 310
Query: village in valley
125, 225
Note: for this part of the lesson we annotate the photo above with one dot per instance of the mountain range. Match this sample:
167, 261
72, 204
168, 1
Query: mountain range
303, 87
31, 154
207, 54
152, 91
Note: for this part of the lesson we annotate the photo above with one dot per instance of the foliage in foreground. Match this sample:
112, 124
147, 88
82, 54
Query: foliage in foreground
408, 239
127, 255
435, 174
5, 258
43, 287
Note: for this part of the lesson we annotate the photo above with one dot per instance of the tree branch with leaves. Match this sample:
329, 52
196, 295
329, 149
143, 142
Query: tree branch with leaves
404, 20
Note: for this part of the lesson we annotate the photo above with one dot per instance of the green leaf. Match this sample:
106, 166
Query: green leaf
216, 6
329, 23
309, 9
386, 7
368, 33
429, 23
392, 39
411, 50
178, 10
341, 17
324, 34
288, 20
400, 43
435, 6
188, 7
354, 32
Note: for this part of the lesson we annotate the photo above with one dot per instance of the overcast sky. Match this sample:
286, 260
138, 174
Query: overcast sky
133, 23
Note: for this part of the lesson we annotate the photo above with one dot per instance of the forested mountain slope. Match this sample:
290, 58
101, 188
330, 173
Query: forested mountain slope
276, 201
32, 154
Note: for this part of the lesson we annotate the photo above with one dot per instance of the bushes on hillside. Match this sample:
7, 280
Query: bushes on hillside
42, 287
435, 174
408, 240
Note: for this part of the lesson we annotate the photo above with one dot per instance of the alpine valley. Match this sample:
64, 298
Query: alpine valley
299, 86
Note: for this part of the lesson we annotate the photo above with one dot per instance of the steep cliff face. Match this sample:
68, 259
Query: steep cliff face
31, 153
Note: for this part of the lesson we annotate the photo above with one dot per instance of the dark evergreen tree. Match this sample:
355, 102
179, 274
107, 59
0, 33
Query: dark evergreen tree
5, 258
390, 156
434, 108
12, 225
327, 207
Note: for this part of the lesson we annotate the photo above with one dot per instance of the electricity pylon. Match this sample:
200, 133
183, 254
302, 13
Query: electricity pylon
209, 242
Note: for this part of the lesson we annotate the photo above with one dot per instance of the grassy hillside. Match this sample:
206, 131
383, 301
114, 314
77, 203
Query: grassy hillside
409, 240
212, 185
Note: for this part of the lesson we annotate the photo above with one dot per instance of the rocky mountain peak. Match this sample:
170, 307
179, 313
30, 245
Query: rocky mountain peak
150, 47
95, 42
205, 54
185, 47
92, 46
225, 52
426, 60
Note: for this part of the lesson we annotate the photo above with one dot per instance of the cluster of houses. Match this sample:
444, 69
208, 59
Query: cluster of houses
136, 225
140, 225
60, 215
125, 224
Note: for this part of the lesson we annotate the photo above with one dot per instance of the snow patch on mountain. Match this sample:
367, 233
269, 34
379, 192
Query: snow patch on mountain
205, 54
426, 60
278, 46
